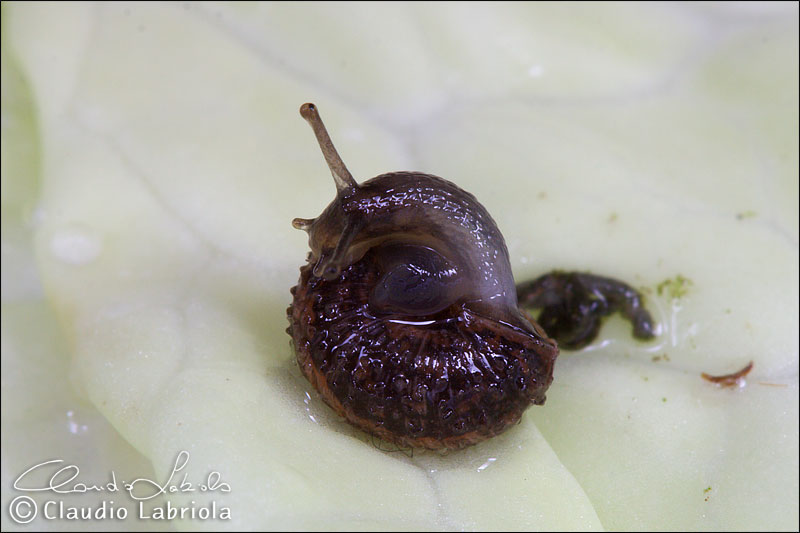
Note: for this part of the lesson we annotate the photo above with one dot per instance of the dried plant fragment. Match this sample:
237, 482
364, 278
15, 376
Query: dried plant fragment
730, 380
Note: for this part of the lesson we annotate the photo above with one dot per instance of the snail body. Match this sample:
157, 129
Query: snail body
405, 318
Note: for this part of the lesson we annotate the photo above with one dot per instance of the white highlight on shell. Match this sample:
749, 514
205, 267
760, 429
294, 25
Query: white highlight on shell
411, 322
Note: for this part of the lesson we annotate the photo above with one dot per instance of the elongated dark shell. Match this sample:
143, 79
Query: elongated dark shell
448, 381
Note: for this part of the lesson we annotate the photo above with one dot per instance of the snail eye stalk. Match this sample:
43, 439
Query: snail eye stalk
341, 176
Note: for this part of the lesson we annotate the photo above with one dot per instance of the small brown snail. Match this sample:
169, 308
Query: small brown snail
406, 320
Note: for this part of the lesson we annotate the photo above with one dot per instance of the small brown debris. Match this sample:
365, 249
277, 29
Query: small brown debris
729, 380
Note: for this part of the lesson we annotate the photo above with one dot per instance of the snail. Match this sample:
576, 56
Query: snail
406, 318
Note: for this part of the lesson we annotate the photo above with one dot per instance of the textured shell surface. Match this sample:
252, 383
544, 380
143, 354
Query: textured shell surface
443, 381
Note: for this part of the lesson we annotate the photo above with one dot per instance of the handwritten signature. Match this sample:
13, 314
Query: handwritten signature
63, 481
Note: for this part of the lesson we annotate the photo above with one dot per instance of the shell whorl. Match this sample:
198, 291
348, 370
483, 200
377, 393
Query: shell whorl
448, 381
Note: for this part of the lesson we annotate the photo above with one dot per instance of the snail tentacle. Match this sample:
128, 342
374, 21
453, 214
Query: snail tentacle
302, 223
341, 176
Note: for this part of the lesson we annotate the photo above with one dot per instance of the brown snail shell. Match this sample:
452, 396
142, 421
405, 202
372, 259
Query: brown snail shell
405, 318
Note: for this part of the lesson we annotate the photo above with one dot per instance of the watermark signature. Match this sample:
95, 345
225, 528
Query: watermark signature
64, 480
